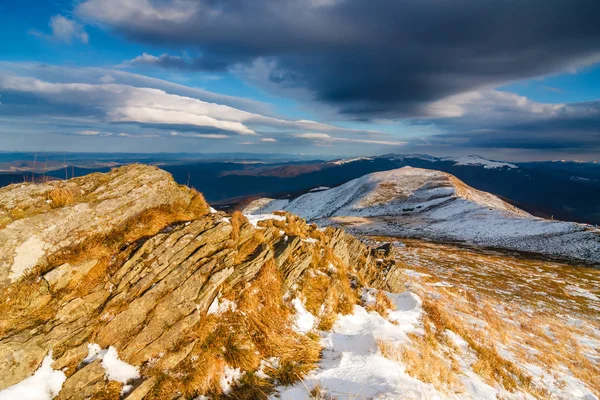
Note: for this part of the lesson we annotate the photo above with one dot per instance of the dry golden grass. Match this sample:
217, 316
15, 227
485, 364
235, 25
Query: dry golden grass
383, 305
384, 192
112, 391
490, 305
424, 360
237, 220
318, 393
327, 292
259, 329
248, 247
60, 197
251, 387
26, 304
489, 365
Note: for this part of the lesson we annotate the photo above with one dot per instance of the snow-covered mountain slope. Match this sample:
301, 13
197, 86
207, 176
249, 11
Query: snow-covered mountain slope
432, 204
470, 160
480, 161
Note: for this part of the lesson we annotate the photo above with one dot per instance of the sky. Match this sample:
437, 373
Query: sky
507, 79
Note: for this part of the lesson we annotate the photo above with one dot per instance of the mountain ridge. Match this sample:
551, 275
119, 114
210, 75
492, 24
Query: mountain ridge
415, 202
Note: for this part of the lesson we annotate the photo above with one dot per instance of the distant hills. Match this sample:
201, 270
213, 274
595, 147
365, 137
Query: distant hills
552, 189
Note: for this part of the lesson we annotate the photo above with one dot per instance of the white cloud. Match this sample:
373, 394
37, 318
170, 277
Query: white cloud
200, 135
118, 102
321, 138
88, 133
268, 140
493, 105
122, 103
106, 78
138, 136
124, 11
94, 75
66, 30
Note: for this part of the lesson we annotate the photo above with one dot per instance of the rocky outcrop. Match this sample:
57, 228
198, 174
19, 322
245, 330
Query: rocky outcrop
135, 261
41, 219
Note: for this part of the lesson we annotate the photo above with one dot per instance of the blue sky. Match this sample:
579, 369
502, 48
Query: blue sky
303, 76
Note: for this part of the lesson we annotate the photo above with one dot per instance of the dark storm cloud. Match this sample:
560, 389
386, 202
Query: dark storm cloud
369, 58
574, 126
178, 63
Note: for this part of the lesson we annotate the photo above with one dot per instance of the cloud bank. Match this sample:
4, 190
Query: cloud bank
387, 58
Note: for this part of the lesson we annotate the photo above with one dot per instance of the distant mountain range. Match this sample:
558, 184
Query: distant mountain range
561, 190
552, 189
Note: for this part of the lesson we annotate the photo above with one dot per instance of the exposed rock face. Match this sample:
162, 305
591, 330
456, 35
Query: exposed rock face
86, 273
34, 227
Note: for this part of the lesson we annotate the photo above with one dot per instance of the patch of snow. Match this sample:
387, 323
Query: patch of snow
265, 205
221, 307
212, 210
331, 268
575, 290
480, 161
304, 321
442, 284
352, 365
255, 219
44, 384
310, 240
115, 369
319, 189
229, 378
350, 160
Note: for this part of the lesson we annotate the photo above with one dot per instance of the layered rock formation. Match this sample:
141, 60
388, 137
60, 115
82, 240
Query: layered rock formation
133, 262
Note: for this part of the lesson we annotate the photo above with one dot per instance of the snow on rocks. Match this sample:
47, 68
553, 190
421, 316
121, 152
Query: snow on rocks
219, 307
255, 219
115, 369
44, 384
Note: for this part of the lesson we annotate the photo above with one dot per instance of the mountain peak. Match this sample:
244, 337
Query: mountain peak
420, 202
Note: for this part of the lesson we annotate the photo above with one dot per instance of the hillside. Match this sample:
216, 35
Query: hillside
127, 285
409, 202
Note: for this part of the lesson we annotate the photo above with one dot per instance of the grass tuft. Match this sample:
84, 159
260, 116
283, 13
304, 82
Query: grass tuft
60, 197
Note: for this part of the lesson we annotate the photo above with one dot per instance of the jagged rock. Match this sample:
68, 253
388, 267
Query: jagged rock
61, 276
84, 383
98, 203
143, 296
384, 251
